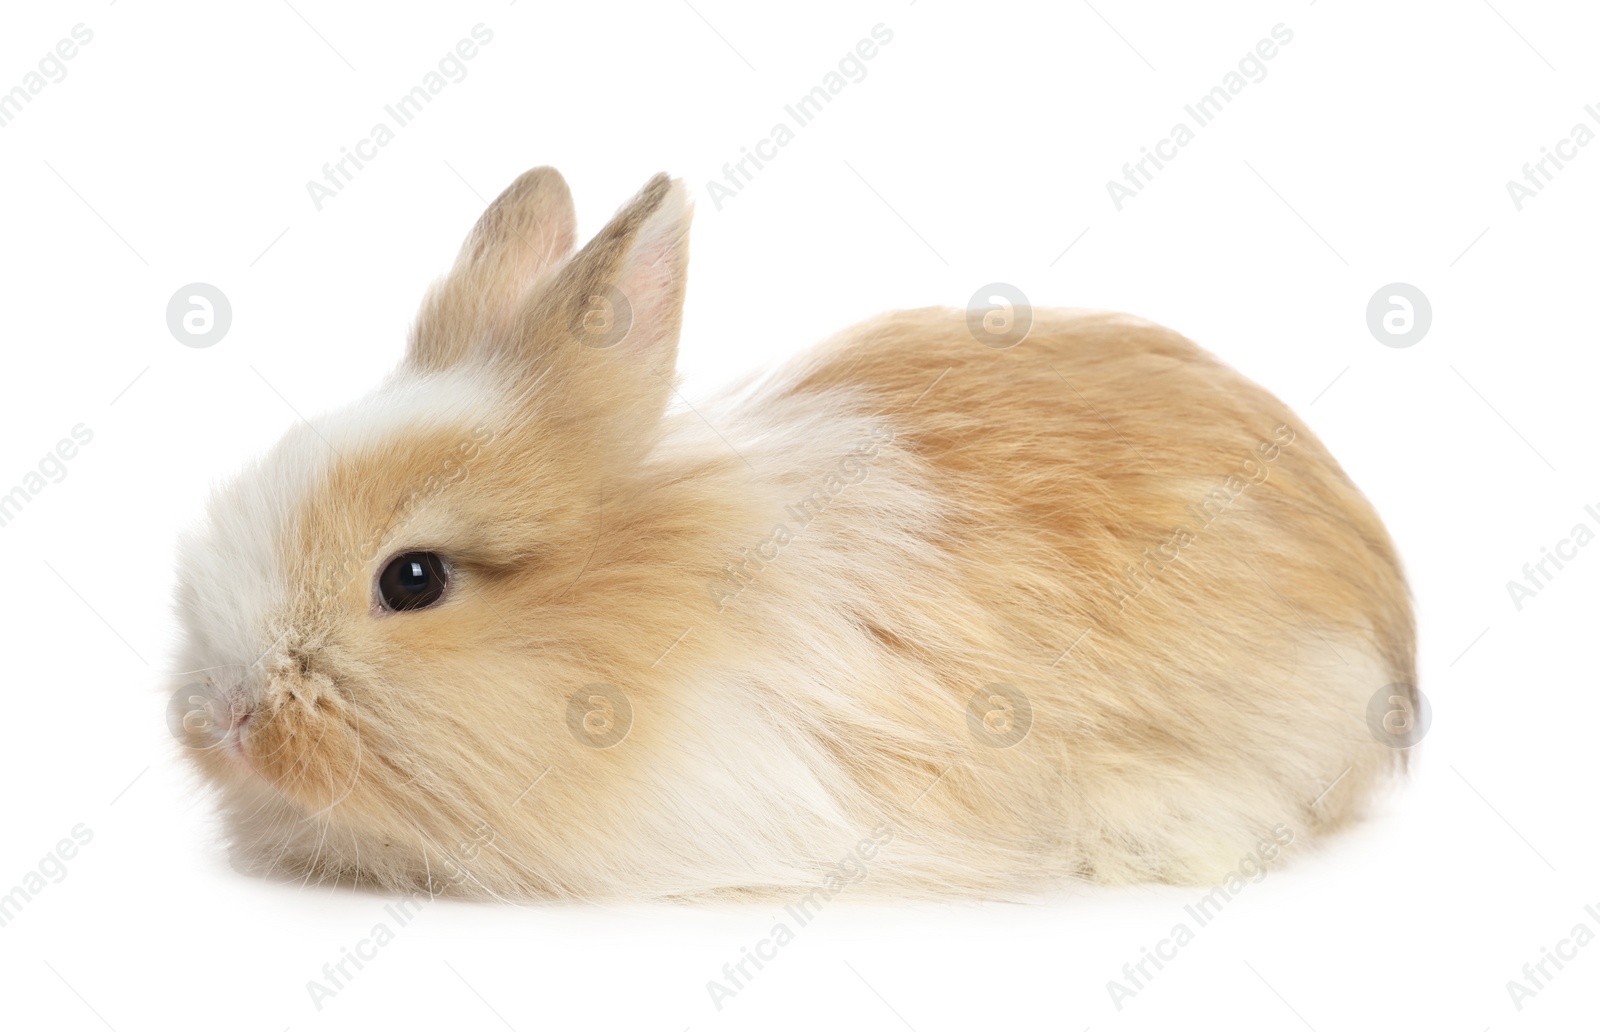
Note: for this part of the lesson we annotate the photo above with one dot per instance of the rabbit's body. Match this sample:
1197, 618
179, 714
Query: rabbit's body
942, 617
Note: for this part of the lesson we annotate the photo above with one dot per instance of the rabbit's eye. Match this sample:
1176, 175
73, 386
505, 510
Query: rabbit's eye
414, 580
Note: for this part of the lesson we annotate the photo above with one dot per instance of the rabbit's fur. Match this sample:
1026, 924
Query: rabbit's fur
1090, 607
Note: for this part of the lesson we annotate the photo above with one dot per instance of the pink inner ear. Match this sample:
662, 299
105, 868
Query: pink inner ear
653, 276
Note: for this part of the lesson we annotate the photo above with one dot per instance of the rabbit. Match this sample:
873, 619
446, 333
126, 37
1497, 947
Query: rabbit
928, 612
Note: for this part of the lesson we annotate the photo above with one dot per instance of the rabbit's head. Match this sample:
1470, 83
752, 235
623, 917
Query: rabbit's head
387, 618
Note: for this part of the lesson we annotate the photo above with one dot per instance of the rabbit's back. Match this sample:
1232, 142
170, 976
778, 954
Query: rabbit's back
1149, 562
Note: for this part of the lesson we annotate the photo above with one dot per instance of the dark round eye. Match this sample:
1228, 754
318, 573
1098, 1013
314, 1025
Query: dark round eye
415, 580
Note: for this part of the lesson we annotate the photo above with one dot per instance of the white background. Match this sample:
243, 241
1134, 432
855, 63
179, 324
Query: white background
976, 149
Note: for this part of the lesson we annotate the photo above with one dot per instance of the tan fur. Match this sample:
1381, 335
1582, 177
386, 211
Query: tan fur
799, 590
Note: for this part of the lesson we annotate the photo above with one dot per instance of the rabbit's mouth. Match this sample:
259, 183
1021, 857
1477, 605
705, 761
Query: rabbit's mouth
209, 715
303, 738
234, 740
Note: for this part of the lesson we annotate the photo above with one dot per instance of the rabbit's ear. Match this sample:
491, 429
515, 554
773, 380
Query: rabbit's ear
526, 232
603, 330
623, 293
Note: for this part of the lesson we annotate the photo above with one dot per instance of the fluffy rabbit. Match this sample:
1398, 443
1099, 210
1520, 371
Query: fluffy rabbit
924, 611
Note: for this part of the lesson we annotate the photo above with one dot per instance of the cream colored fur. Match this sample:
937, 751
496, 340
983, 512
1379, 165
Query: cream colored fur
800, 591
